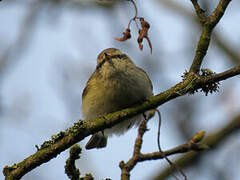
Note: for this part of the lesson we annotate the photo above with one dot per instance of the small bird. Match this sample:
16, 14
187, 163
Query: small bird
117, 83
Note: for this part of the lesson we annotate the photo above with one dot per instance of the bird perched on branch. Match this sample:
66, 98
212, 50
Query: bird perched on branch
117, 83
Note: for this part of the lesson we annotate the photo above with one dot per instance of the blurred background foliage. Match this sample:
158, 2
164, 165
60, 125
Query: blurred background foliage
48, 49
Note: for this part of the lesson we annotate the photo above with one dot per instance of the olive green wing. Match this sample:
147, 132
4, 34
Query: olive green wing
149, 80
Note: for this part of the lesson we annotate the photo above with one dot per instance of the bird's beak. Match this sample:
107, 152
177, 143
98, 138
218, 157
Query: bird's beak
109, 59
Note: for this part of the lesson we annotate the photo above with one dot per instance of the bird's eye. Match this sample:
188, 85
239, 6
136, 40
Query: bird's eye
106, 55
119, 56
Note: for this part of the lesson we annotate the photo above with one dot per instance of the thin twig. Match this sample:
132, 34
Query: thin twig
135, 16
160, 149
213, 140
139, 157
158, 139
159, 128
126, 168
199, 11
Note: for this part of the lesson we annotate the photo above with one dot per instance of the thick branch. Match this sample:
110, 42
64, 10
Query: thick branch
217, 14
207, 28
219, 41
82, 129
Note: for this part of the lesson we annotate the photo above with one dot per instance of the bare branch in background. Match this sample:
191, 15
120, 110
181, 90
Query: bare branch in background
213, 140
217, 37
12, 55
72, 172
70, 169
137, 157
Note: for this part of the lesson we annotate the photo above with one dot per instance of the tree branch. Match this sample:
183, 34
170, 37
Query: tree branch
126, 168
199, 11
219, 41
207, 29
70, 169
81, 129
214, 140
221, 76
192, 145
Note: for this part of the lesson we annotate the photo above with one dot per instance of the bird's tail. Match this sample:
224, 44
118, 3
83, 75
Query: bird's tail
97, 140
